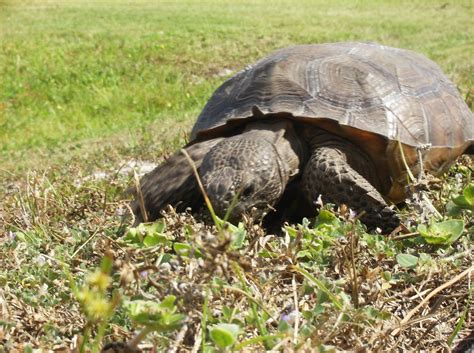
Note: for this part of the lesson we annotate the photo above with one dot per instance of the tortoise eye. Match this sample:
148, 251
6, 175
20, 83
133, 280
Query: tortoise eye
248, 190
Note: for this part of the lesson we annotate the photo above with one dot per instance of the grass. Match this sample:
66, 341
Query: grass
88, 88
78, 71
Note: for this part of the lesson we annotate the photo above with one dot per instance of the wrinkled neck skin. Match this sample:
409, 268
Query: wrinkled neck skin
250, 171
287, 147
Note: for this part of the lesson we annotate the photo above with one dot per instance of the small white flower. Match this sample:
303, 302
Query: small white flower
119, 211
40, 260
352, 214
43, 289
291, 317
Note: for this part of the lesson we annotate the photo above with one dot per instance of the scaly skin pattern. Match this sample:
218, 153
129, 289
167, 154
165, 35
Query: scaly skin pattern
244, 168
342, 173
171, 183
250, 172
248, 168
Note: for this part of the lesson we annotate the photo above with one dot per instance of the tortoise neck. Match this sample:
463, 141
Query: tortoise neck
290, 149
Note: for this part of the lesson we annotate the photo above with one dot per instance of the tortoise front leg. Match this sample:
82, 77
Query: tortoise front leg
171, 183
331, 173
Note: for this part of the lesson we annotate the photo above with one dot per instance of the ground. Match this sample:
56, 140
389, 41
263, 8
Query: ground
92, 91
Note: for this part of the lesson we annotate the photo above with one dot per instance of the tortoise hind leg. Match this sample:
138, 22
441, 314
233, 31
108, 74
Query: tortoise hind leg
171, 183
332, 174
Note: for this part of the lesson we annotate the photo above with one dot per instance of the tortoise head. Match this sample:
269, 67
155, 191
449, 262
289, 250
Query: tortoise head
245, 174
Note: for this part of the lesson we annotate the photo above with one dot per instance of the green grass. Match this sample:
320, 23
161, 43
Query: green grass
88, 86
77, 71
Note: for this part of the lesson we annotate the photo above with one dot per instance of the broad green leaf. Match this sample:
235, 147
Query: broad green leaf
466, 200
386, 275
462, 202
452, 209
159, 316
292, 232
186, 250
150, 228
304, 254
147, 234
407, 260
168, 303
132, 236
239, 235
266, 254
224, 335
326, 217
155, 239
469, 194
442, 233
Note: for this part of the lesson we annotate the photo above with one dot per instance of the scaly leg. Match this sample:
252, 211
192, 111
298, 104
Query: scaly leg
334, 172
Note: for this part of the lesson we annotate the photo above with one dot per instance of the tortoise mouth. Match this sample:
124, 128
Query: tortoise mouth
256, 211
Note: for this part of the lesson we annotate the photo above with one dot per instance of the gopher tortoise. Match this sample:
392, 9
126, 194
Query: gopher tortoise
339, 121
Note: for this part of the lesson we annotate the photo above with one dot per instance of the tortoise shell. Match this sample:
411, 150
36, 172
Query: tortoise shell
391, 102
